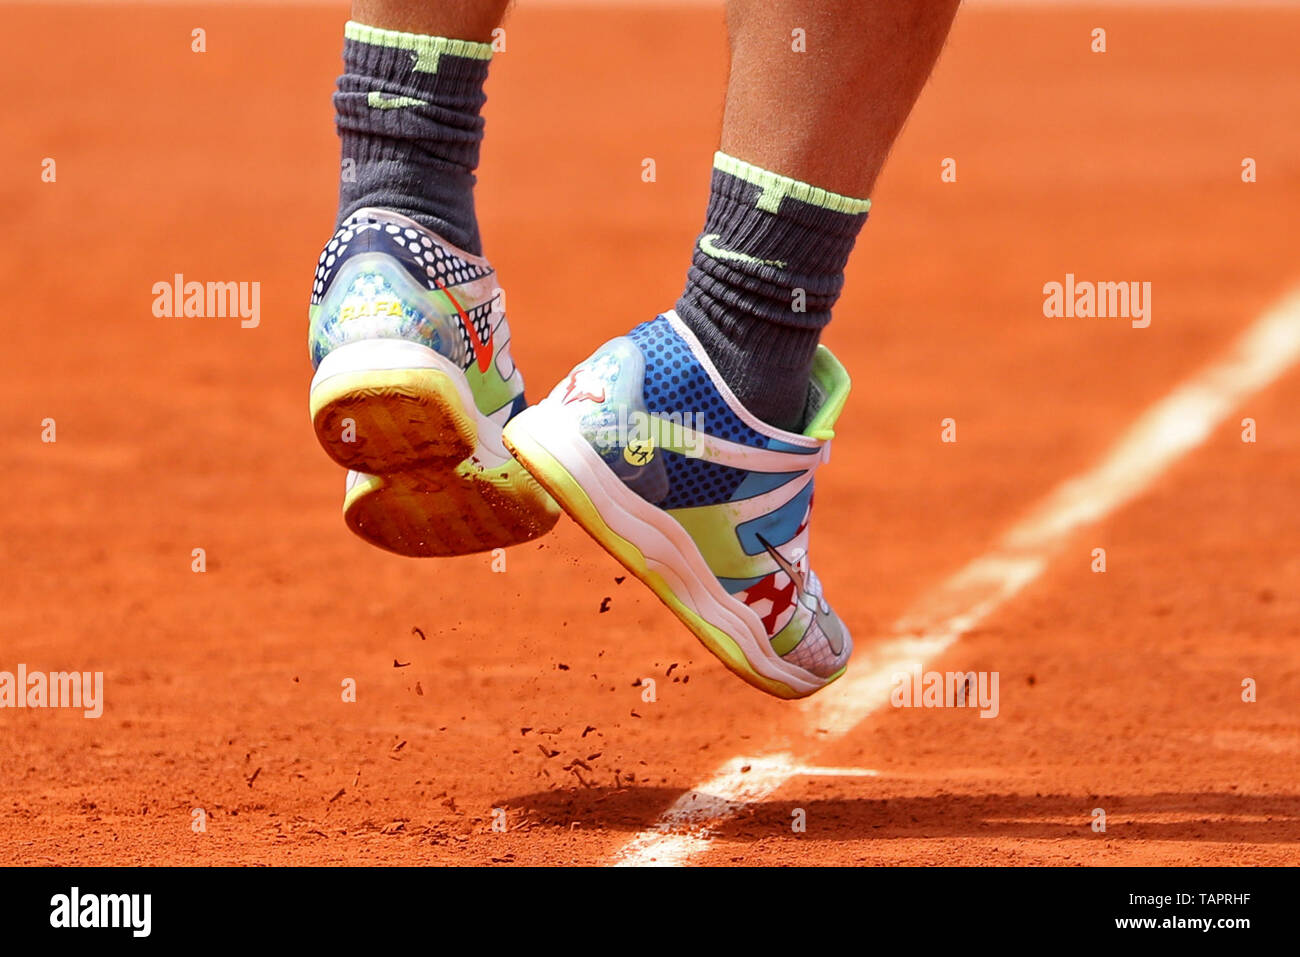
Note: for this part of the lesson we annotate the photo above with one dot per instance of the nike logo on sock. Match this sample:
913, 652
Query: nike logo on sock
391, 101
708, 246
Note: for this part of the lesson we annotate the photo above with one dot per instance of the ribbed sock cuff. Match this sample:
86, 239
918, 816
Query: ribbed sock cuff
765, 273
454, 68
772, 247
408, 114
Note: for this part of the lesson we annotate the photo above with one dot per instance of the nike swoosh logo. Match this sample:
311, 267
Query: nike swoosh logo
482, 350
829, 625
710, 248
796, 576
391, 101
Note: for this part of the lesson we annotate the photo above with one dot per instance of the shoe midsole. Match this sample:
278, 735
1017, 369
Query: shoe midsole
665, 545
376, 355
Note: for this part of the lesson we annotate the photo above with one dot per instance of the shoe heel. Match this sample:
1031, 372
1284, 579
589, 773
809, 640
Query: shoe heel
378, 419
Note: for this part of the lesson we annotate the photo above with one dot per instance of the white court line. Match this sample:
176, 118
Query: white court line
742, 780
1165, 433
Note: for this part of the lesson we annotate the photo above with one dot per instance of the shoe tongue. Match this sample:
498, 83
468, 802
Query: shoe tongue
828, 389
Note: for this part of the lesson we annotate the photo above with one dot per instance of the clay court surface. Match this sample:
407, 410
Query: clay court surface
1119, 691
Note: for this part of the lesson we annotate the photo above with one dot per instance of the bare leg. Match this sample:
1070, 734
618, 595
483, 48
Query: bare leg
827, 116
462, 19
817, 93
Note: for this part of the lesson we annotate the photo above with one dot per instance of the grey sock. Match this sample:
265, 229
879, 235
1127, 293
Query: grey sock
766, 271
407, 109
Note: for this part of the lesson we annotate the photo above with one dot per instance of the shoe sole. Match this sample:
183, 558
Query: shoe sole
662, 555
426, 513
390, 420
403, 415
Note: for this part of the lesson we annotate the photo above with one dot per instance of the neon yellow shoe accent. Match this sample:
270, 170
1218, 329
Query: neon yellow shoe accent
574, 500
828, 370
776, 187
490, 390
427, 49
785, 640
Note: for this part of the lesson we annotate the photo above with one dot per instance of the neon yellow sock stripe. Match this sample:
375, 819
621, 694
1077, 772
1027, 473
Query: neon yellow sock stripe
385, 101
776, 187
426, 49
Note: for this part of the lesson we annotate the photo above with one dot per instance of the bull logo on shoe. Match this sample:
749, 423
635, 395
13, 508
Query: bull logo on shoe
584, 386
